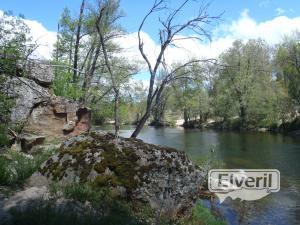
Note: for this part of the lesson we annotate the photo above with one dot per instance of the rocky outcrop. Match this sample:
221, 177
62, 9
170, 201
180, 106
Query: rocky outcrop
39, 111
163, 177
27, 93
40, 73
57, 119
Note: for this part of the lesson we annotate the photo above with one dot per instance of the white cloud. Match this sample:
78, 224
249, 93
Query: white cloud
43, 37
272, 30
244, 28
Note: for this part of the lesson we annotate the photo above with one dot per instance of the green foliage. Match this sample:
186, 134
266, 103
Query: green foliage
244, 86
287, 57
81, 192
201, 216
63, 85
16, 167
15, 47
15, 44
3, 135
191, 98
6, 104
101, 112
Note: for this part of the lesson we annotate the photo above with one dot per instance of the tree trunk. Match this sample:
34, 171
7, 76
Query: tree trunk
70, 53
243, 115
76, 49
140, 124
185, 117
116, 109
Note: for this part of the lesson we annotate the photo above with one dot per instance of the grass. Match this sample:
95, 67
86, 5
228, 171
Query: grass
81, 192
16, 167
105, 209
47, 213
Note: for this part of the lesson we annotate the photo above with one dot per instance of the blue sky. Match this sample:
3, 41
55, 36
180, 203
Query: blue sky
241, 19
48, 12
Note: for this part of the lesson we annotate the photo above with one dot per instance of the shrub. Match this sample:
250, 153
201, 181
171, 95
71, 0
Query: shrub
16, 167
201, 216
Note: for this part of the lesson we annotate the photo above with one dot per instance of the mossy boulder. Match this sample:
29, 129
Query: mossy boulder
161, 176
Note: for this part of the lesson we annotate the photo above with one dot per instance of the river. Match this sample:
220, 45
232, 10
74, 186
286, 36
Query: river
241, 150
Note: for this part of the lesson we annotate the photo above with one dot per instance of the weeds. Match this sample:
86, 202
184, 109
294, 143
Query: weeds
16, 167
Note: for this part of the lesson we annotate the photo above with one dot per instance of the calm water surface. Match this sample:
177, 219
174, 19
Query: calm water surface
242, 150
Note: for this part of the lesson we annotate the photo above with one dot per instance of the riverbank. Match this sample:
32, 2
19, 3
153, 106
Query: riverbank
291, 128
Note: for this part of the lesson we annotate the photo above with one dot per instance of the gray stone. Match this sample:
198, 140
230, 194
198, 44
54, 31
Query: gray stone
140, 171
27, 93
42, 73
68, 127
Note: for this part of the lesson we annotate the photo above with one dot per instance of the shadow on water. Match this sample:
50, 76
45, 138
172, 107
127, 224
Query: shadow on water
242, 150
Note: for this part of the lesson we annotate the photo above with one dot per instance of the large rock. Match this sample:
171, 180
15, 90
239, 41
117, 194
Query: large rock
163, 177
42, 73
28, 94
38, 111
58, 119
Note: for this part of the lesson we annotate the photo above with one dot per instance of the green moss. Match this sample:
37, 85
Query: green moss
78, 147
121, 163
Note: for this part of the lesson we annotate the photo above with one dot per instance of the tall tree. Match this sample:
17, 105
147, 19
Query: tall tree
288, 64
77, 42
244, 85
117, 70
168, 34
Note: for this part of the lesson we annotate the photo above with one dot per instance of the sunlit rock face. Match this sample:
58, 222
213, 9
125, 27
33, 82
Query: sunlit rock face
41, 73
163, 177
57, 119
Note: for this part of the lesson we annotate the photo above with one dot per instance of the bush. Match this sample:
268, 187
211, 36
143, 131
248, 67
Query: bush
16, 167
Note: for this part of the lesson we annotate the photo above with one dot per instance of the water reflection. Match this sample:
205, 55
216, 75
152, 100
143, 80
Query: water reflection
242, 150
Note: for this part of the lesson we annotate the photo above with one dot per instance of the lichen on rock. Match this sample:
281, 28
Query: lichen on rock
161, 176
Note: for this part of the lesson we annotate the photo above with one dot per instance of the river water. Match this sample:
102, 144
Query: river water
242, 151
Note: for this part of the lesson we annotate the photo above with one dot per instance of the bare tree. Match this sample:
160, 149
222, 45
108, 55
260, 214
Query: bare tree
117, 71
168, 34
78, 36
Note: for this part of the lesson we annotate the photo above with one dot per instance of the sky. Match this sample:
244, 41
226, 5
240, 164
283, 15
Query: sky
240, 19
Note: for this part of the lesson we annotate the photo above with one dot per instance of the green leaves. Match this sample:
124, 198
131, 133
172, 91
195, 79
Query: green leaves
244, 86
288, 65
